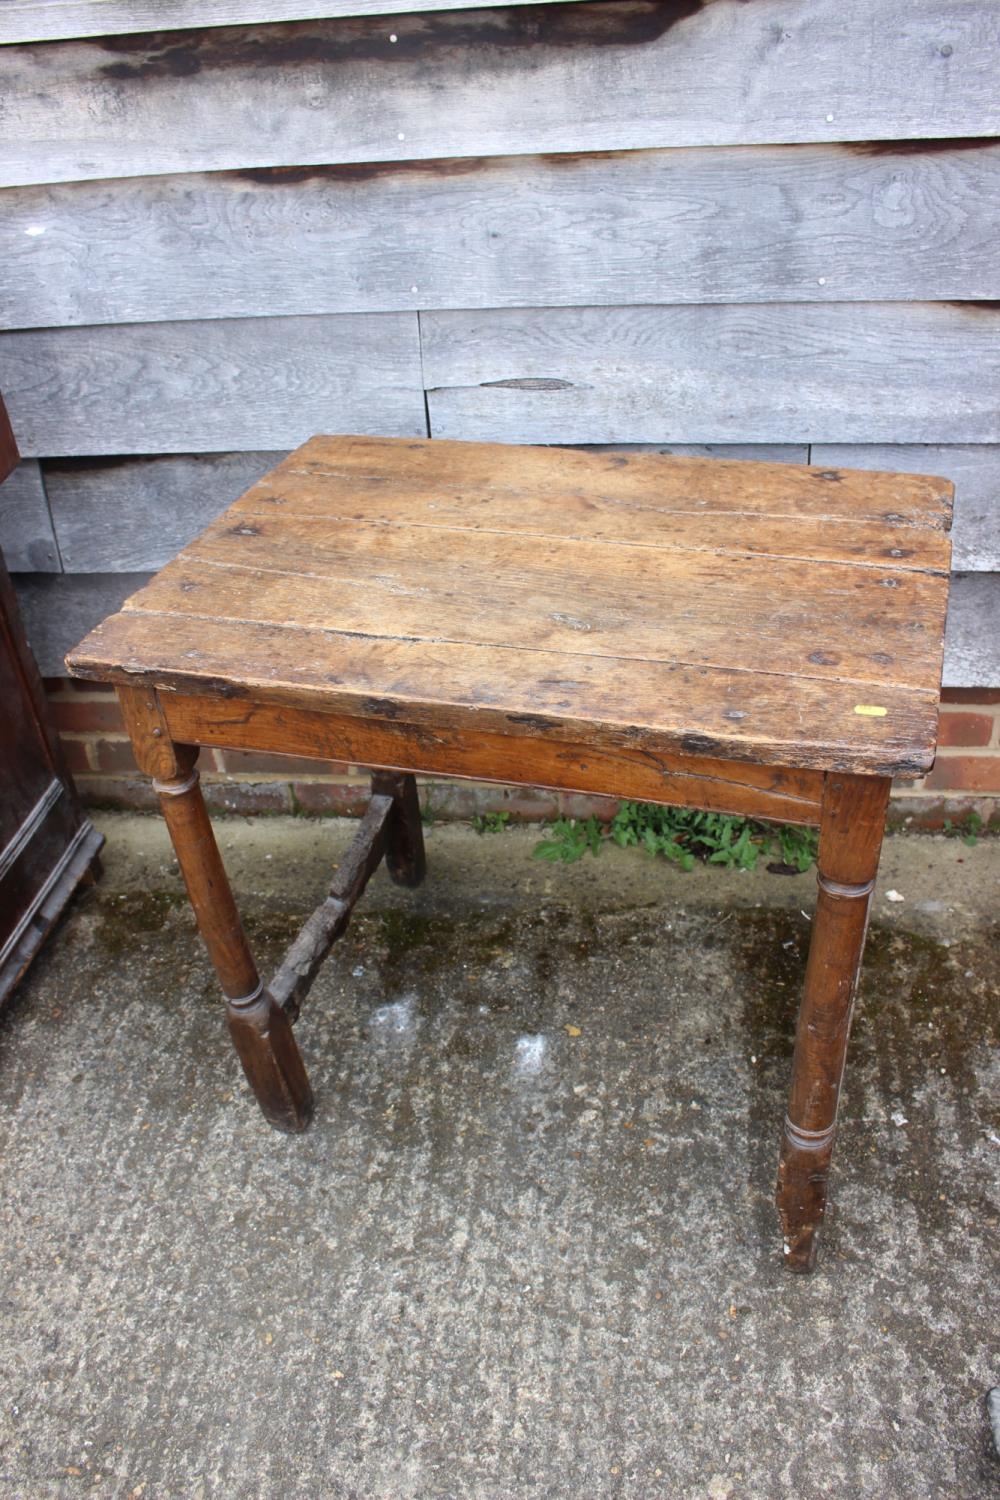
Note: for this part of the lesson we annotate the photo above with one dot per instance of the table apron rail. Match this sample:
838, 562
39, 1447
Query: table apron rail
778, 793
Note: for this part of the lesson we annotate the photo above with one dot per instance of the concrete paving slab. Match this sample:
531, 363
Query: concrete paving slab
528, 1247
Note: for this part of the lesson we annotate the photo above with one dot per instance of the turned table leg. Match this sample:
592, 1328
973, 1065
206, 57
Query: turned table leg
851, 828
260, 1030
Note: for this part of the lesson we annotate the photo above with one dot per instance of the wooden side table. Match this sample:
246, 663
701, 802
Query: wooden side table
747, 638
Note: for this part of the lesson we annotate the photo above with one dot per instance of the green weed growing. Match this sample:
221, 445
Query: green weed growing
682, 835
491, 822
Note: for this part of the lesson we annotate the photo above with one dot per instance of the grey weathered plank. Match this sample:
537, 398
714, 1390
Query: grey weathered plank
26, 537
975, 472
60, 609
210, 387
609, 75
972, 642
764, 453
55, 20
864, 373
123, 516
813, 223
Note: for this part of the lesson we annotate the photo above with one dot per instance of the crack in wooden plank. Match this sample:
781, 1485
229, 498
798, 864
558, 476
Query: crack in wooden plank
889, 564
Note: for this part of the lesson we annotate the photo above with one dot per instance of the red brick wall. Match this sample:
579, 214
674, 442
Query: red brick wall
966, 775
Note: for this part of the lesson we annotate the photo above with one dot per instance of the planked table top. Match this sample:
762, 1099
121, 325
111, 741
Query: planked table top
771, 613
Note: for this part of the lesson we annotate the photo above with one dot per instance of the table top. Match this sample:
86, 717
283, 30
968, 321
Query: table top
772, 613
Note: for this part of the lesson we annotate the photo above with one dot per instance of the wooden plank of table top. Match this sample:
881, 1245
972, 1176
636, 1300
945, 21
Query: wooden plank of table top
724, 486
316, 511
60, 608
755, 716
975, 472
747, 612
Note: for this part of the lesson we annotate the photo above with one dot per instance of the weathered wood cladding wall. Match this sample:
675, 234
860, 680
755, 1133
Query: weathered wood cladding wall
762, 228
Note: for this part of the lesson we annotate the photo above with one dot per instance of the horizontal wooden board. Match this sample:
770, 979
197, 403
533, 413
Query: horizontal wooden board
26, 536
765, 453
128, 516
690, 780
859, 373
55, 20
607, 497
59, 609
462, 518
609, 75
444, 677
765, 224
207, 387
62, 608
972, 645
975, 473
358, 584
133, 514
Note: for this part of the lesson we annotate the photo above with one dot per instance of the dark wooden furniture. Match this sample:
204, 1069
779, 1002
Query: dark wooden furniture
751, 638
47, 846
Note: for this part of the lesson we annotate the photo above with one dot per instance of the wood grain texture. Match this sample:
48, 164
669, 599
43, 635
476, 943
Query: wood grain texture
55, 20
875, 372
853, 821
618, 494
26, 536
622, 770
767, 224
765, 453
440, 615
975, 473
207, 387
610, 75
405, 857
157, 755
259, 1028
58, 609
552, 597
293, 666
294, 977
972, 650
135, 514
